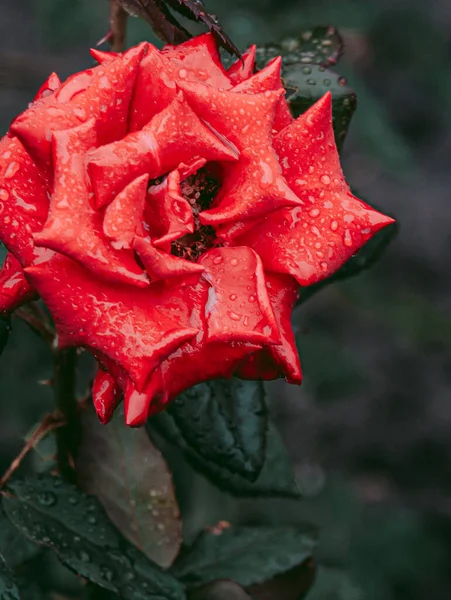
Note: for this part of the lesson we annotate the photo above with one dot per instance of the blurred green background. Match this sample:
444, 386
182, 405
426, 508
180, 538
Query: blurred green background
370, 429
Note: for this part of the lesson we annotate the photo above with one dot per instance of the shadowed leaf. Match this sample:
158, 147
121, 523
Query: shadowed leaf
14, 546
318, 46
123, 469
276, 477
58, 515
8, 586
247, 555
225, 422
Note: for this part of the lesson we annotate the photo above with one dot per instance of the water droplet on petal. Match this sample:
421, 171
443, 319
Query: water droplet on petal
334, 225
347, 239
233, 297
11, 169
314, 212
234, 262
325, 179
234, 316
217, 260
4, 195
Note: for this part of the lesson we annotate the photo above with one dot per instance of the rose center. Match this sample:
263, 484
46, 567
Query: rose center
199, 190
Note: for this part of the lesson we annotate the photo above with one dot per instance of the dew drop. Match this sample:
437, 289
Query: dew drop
334, 225
325, 179
314, 212
11, 169
234, 262
47, 499
217, 260
347, 239
323, 265
84, 556
234, 316
183, 73
233, 297
4, 195
252, 298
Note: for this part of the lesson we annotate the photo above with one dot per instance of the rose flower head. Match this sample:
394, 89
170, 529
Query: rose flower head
167, 210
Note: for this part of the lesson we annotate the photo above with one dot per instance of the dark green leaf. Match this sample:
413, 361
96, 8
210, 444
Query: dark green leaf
123, 469
306, 84
276, 477
220, 590
5, 328
364, 259
318, 46
334, 584
224, 422
14, 546
247, 555
8, 586
58, 515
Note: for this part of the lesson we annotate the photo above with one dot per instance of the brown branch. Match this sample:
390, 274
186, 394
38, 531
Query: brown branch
48, 424
118, 27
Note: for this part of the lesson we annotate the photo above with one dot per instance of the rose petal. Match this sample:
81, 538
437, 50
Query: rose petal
173, 136
243, 68
73, 227
160, 265
124, 216
253, 186
14, 288
106, 395
23, 199
312, 241
102, 93
135, 330
238, 307
168, 215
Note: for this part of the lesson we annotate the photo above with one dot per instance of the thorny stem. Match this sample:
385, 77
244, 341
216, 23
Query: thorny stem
67, 437
118, 27
36, 321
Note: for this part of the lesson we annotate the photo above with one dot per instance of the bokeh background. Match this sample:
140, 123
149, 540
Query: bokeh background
370, 429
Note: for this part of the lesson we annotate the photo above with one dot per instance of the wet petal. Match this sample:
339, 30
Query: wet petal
167, 213
254, 185
312, 241
160, 265
14, 288
124, 216
244, 68
176, 135
134, 328
73, 227
238, 307
106, 395
23, 199
102, 93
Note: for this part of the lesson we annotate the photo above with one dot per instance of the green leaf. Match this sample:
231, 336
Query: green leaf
123, 469
318, 46
220, 590
306, 84
334, 584
58, 515
276, 477
225, 422
364, 259
5, 328
307, 78
15, 547
8, 586
247, 555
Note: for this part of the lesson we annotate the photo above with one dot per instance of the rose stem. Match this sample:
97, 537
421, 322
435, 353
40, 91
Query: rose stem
64, 380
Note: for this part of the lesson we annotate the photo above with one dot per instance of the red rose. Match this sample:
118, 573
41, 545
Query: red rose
167, 210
